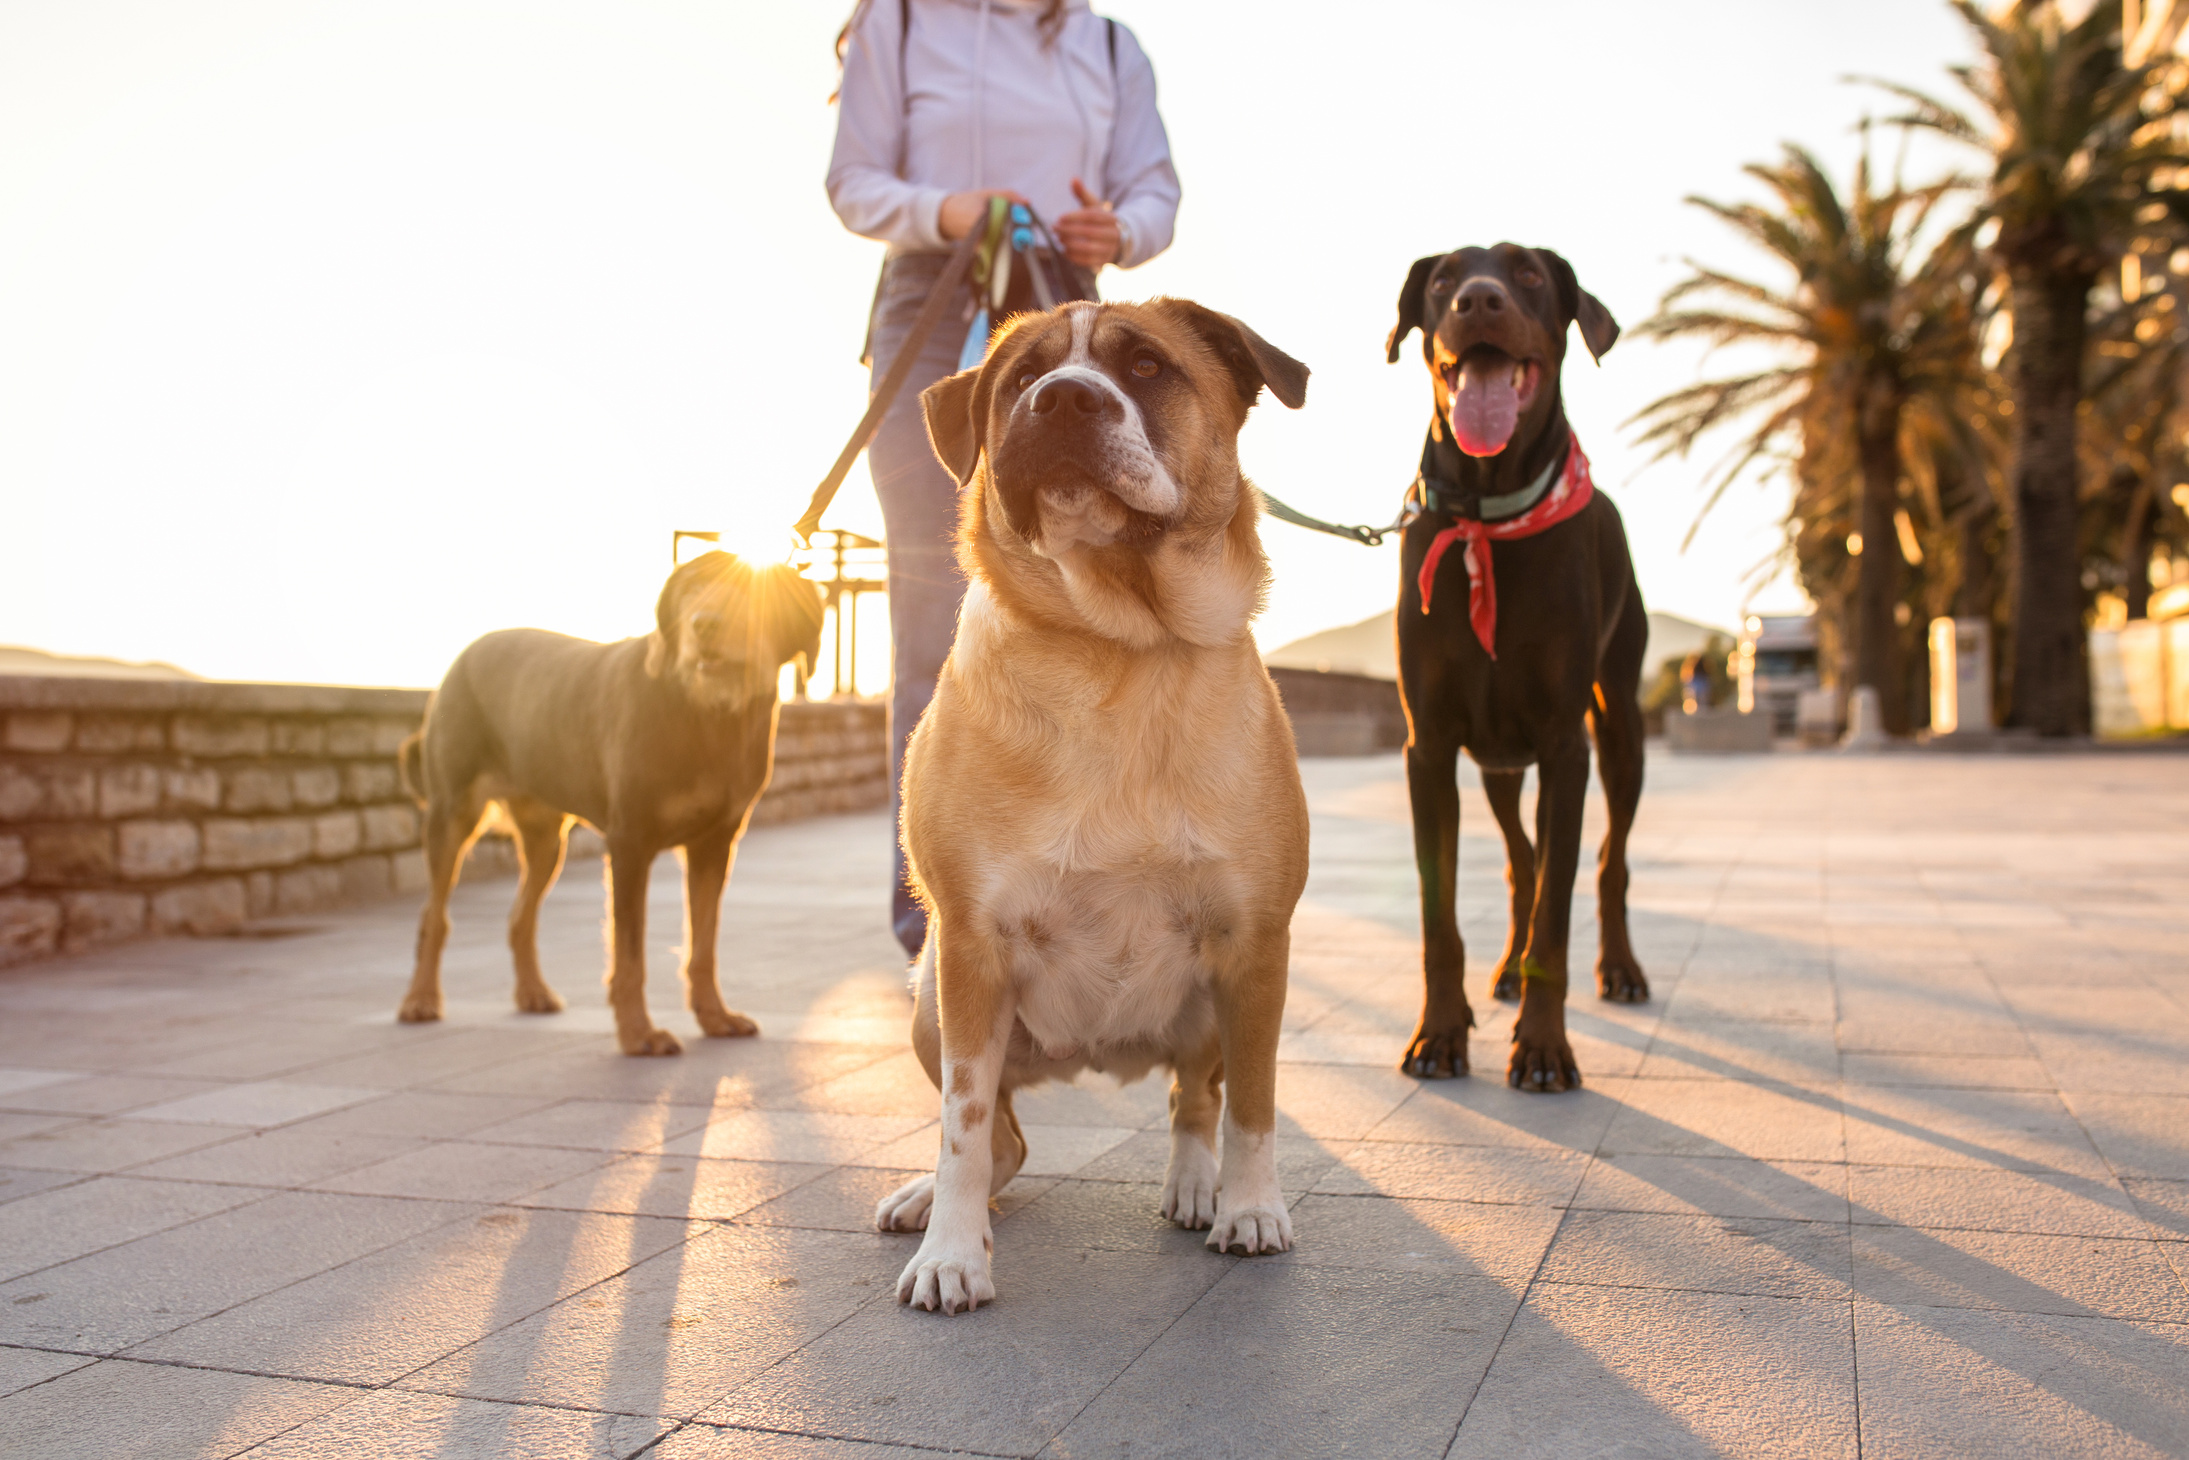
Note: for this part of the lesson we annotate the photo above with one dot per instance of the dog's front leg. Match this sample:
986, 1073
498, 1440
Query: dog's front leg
1250, 1001
630, 863
951, 1271
1438, 1049
1541, 1057
1197, 1101
706, 870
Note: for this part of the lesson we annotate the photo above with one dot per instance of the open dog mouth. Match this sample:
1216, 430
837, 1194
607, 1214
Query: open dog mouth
1489, 392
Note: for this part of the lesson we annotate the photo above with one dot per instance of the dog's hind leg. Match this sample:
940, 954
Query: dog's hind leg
1197, 1100
1503, 790
447, 835
1439, 1046
630, 863
1617, 723
540, 833
706, 872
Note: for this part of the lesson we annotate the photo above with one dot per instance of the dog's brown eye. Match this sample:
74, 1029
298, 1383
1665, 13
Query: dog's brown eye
1026, 380
1146, 368
1529, 278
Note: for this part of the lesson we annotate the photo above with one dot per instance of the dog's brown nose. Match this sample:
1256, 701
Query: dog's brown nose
1075, 396
1484, 295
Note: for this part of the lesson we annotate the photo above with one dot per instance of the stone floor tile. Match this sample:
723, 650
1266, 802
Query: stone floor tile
675, 1186
1145, 1157
1107, 1216
466, 1171
893, 1086
1748, 997
1759, 1256
386, 1314
1966, 1071
1727, 1118
1391, 1234
1532, 1176
711, 1442
1336, 1102
1476, 1112
107, 1145
15, 1080
882, 1374
598, 1125
269, 1102
1719, 1186
843, 1199
404, 1060
1996, 1038
1270, 1363
2098, 1277
102, 1095
16, 1124
2139, 1135
16, 1183
122, 1411
2164, 1204
56, 1226
425, 1114
1092, 1100
1786, 1052
724, 1073
793, 1135
1589, 1370
1995, 1201
22, 1367
2020, 1384
678, 1331
2008, 1130
127, 1294
392, 1425
287, 1156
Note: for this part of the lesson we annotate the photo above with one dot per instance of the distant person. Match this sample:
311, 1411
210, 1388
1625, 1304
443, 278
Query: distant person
945, 104
1695, 683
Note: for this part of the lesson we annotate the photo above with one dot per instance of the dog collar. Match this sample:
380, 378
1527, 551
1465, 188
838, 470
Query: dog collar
1439, 495
1570, 495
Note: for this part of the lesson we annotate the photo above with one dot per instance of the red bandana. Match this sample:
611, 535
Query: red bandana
1567, 496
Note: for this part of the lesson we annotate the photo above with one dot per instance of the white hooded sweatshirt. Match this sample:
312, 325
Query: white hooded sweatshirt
992, 106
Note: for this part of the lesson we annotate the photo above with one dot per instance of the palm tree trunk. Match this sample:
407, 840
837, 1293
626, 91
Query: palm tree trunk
1877, 581
2051, 684
2136, 549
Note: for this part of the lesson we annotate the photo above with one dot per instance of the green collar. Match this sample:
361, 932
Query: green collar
1441, 495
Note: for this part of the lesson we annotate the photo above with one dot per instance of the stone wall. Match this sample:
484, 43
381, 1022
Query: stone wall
132, 807
1341, 714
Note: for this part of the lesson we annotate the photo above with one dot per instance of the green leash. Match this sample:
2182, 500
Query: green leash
1366, 536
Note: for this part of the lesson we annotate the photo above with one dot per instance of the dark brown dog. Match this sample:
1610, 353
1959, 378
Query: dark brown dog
1569, 635
659, 742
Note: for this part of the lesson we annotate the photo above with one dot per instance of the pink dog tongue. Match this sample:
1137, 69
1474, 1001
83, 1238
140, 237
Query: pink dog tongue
1485, 405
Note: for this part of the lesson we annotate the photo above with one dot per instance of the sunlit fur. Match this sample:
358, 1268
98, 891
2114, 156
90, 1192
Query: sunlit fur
1103, 812
725, 628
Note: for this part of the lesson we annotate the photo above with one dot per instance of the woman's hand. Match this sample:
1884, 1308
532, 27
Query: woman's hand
961, 211
1090, 235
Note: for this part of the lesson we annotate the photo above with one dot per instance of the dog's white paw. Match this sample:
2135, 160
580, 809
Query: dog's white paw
1189, 1186
946, 1280
906, 1208
1253, 1229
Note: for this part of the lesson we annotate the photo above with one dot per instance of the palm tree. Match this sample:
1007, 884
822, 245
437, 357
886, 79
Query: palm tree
1864, 335
2079, 139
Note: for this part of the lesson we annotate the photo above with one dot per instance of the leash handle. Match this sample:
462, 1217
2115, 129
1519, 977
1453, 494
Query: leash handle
939, 299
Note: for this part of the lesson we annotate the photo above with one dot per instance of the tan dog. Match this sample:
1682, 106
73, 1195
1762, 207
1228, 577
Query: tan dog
1103, 805
659, 742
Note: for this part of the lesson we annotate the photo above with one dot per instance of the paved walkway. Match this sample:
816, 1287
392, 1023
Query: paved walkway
1896, 1163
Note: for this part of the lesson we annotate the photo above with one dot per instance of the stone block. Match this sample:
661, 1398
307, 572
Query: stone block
315, 785
92, 918
200, 908
257, 788
258, 894
367, 781
366, 877
48, 793
29, 928
219, 735
66, 856
234, 844
349, 738
299, 737
388, 828
14, 861
21, 793
193, 787
407, 870
336, 835
128, 790
157, 849
39, 730
118, 734
307, 889
388, 735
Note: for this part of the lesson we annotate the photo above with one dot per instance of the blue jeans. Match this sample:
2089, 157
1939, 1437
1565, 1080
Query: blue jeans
920, 515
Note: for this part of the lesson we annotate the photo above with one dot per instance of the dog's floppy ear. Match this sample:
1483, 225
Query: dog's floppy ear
1253, 361
1411, 300
1599, 331
794, 611
951, 428
661, 643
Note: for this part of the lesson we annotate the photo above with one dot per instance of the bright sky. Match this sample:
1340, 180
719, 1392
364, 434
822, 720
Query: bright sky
333, 335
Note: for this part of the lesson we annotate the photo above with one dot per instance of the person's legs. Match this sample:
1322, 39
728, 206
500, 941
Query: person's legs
920, 512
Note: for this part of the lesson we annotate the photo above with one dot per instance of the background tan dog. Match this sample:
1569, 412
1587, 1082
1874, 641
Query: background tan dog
1102, 805
657, 742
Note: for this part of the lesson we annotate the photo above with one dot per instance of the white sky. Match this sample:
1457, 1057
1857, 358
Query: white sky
333, 335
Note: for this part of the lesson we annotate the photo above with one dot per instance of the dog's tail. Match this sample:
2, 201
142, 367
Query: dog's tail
410, 764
